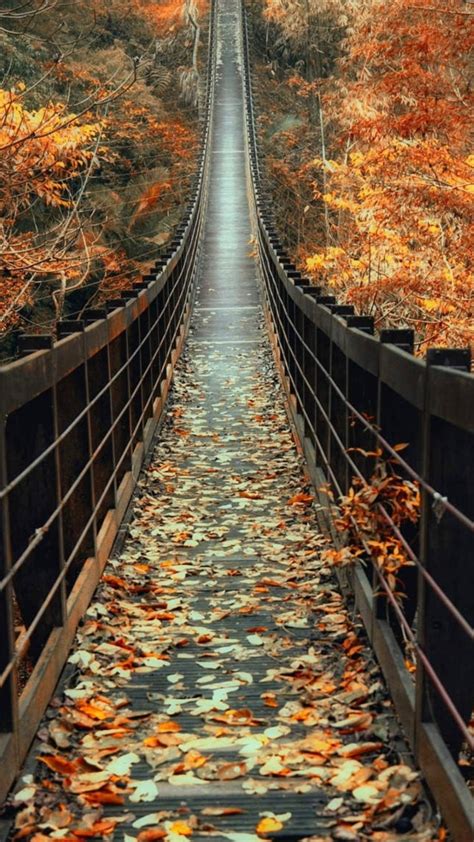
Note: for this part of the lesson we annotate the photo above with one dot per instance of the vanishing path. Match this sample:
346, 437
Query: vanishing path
217, 681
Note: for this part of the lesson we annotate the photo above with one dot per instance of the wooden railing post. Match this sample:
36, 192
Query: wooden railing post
401, 423
8, 688
339, 417
119, 395
74, 453
29, 431
101, 439
310, 384
362, 394
446, 553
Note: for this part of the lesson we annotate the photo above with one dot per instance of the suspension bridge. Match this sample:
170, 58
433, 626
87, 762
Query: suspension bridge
216, 682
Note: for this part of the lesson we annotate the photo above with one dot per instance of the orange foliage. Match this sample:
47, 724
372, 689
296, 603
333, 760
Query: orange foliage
87, 202
42, 151
399, 192
382, 215
166, 15
365, 527
150, 199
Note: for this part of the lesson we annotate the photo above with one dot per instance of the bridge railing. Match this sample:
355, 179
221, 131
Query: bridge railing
352, 392
77, 417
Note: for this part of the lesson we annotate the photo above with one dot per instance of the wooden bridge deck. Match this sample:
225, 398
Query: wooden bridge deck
218, 686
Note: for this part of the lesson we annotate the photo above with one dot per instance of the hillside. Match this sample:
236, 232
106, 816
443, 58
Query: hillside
99, 108
365, 120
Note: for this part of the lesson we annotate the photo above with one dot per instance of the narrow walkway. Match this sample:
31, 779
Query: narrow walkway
218, 686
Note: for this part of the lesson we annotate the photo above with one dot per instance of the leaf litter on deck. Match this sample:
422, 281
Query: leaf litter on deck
256, 678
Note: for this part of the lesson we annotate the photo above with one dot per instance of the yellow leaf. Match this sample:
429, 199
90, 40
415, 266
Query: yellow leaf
182, 828
268, 825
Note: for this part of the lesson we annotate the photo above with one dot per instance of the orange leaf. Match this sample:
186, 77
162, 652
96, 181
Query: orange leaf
93, 711
142, 568
272, 583
194, 760
151, 834
103, 796
231, 771
166, 727
236, 717
356, 749
269, 700
303, 714
204, 638
27, 830
59, 764
163, 740
115, 582
303, 498
100, 828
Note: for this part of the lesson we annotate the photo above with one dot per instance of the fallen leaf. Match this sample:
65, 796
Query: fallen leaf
301, 498
144, 791
151, 834
182, 828
104, 796
368, 794
58, 764
100, 829
170, 726
268, 825
122, 765
148, 820
335, 804
236, 717
356, 749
